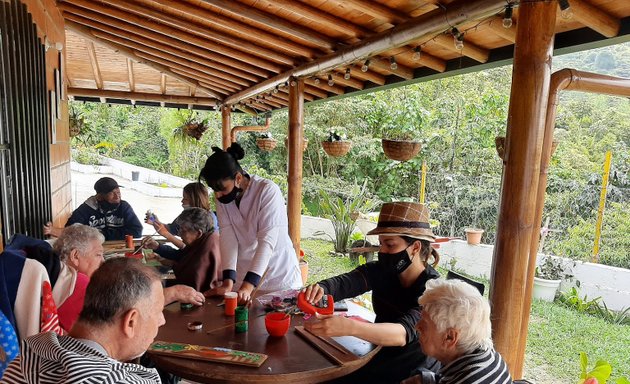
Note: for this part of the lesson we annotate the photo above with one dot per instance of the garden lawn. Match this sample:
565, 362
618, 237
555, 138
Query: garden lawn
556, 337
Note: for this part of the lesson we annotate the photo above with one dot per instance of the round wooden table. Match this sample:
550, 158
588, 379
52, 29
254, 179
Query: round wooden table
291, 358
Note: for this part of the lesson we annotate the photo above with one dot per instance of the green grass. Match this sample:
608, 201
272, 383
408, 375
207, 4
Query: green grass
556, 337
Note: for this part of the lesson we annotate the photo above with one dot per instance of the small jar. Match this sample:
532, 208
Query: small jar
241, 319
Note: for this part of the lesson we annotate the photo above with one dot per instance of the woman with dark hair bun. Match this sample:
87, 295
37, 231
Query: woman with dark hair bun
254, 228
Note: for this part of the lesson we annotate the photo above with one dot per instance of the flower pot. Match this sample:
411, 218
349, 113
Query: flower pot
545, 289
401, 150
336, 148
473, 235
266, 144
304, 143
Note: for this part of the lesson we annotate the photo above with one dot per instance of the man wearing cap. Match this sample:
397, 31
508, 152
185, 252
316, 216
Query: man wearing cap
106, 212
405, 264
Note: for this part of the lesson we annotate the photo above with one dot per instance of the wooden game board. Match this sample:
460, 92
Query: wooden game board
216, 354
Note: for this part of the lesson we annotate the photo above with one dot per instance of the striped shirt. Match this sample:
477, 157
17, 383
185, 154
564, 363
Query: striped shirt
48, 358
478, 367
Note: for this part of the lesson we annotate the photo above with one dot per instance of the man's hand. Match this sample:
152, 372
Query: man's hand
149, 242
183, 294
329, 325
313, 293
226, 286
52, 231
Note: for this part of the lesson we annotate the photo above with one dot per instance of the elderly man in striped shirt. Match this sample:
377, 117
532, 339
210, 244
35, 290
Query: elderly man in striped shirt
121, 315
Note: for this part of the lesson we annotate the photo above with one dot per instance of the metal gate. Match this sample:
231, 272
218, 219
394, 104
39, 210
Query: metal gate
25, 196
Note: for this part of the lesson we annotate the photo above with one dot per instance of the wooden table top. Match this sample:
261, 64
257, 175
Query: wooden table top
291, 358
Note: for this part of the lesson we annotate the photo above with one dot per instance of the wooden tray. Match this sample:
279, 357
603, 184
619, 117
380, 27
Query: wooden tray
334, 351
215, 354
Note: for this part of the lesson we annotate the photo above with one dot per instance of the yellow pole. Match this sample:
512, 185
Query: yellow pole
600, 211
423, 181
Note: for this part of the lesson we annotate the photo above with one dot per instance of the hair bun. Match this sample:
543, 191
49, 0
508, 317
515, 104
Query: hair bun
236, 151
216, 149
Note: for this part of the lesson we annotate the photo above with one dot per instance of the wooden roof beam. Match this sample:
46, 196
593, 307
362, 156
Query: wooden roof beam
163, 84
132, 84
119, 18
378, 11
142, 49
323, 84
383, 64
259, 37
338, 76
140, 96
372, 76
315, 91
165, 43
470, 50
191, 90
426, 59
85, 33
595, 18
291, 31
94, 62
424, 26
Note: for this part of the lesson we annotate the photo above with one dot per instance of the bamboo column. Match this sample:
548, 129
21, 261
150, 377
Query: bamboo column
296, 152
226, 123
526, 121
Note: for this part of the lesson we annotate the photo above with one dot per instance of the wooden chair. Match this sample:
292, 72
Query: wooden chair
454, 275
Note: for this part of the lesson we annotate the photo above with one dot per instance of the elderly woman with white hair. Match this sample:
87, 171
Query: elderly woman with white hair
454, 328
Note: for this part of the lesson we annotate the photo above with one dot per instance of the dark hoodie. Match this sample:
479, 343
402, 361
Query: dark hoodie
114, 224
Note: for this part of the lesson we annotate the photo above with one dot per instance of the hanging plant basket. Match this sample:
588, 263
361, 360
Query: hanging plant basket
336, 148
194, 129
75, 125
304, 143
266, 144
401, 150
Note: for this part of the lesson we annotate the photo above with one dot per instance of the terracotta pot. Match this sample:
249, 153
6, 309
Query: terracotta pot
473, 235
336, 148
401, 150
266, 144
304, 271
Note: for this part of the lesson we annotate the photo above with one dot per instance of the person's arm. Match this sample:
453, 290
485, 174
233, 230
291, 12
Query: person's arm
50, 230
385, 334
168, 252
163, 230
183, 294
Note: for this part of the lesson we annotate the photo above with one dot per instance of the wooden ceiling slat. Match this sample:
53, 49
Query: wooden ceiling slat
132, 84
378, 10
315, 91
351, 82
254, 48
138, 96
121, 20
95, 69
496, 25
595, 18
139, 49
384, 65
404, 56
259, 37
200, 76
191, 72
277, 100
260, 106
158, 41
367, 76
323, 84
271, 101
292, 31
85, 33
470, 49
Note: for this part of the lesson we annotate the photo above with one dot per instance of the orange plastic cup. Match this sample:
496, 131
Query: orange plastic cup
277, 323
230, 303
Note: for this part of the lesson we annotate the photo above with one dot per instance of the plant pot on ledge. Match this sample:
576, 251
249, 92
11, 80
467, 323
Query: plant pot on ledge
336, 148
266, 144
401, 150
545, 289
473, 235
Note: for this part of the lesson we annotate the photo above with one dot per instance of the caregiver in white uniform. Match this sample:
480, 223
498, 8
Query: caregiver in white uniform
254, 228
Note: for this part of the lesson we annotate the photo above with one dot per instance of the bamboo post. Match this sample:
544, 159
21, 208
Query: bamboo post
423, 181
528, 102
602, 204
296, 151
226, 123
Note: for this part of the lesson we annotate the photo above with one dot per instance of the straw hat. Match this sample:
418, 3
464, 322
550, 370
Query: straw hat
404, 219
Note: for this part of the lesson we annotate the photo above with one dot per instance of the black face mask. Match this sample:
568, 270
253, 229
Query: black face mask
108, 206
395, 262
230, 197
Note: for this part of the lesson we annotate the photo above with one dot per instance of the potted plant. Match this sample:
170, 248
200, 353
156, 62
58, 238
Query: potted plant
473, 235
549, 274
336, 144
76, 121
194, 128
266, 142
401, 131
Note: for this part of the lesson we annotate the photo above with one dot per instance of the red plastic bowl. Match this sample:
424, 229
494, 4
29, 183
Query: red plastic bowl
134, 256
277, 323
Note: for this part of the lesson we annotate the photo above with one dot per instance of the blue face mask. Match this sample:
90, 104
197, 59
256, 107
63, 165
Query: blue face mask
230, 197
396, 262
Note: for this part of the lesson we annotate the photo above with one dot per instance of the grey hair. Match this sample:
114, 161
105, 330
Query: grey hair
195, 219
459, 305
76, 236
116, 287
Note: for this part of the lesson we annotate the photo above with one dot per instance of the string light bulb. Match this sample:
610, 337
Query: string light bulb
565, 9
458, 39
392, 63
331, 82
365, 66
275, 90
417, 53
347, 74
317, 81
507, 17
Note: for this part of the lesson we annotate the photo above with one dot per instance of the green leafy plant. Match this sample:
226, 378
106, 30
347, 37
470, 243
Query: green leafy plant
340, 211
553, 268
265, 135
336, 134
599, 374
572, 299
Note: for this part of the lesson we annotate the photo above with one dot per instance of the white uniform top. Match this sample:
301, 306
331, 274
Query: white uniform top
255, 236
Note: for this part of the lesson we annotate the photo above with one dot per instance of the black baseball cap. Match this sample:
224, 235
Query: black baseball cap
105, 185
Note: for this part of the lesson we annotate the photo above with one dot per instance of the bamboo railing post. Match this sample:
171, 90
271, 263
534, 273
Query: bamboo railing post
296, 152
226, 123
526, 118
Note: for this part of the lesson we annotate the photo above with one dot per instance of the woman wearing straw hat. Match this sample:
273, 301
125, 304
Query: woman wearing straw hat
405, 263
